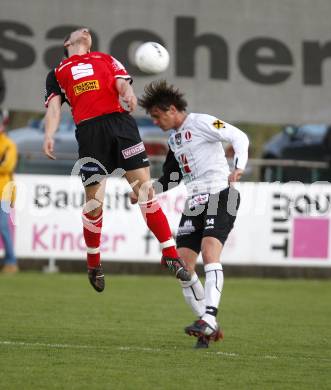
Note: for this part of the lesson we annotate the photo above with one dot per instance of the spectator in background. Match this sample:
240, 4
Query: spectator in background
8, 159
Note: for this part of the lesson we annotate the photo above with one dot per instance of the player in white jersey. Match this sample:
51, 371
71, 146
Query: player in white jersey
196, 156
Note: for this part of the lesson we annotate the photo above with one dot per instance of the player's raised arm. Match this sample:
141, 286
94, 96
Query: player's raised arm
218, 130
52, 121
54, 98
125, 91
240, 143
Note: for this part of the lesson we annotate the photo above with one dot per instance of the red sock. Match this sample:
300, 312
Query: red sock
92, 234
158, 224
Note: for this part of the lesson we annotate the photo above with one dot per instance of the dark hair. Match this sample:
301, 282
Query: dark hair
161, 95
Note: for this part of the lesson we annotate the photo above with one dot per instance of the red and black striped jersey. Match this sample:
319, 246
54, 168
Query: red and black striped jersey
88, 83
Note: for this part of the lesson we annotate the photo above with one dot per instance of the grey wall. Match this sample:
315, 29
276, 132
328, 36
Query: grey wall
243, 60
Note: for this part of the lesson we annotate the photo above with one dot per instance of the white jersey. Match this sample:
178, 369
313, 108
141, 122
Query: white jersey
197, 147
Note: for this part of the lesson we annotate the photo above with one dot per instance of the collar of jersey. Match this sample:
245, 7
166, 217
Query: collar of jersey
180, 128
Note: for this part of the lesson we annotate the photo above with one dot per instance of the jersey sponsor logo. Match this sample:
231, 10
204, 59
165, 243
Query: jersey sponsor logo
89, 169
82, 70
133, 150
218, 124
85, 86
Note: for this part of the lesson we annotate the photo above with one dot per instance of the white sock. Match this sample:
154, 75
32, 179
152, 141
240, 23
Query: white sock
213, 290
194, 295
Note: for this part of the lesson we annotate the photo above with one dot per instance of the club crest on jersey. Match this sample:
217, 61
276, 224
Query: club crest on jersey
86, 86
198, 200
218, 124
188, 136
178, 139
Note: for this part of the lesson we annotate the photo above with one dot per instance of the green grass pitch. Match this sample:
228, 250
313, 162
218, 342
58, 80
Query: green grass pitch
56, 332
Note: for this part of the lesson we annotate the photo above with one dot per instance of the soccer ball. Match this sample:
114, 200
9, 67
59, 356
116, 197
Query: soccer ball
151, 57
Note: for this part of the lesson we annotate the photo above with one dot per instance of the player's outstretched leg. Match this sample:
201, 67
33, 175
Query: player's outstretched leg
194, 295
207, 326
92, 232
174, 264
158, 224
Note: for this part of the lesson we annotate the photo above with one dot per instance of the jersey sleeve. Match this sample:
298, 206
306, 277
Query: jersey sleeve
214, 129
118, 69
52, 88
170, 173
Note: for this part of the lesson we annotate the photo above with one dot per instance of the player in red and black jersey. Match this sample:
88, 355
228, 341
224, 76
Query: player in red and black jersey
94, 84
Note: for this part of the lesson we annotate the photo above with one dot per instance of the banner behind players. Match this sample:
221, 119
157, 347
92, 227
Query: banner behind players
277, 224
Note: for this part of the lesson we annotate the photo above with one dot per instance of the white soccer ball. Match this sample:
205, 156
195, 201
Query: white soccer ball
151, 57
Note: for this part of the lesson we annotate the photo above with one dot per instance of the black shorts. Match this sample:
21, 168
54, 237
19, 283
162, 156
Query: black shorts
109, 142
207, 215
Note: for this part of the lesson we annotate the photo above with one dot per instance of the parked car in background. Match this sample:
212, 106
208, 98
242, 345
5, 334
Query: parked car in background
309, 142
29, 141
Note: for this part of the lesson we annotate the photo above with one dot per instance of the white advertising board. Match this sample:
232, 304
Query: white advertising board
277, 224
48, 220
